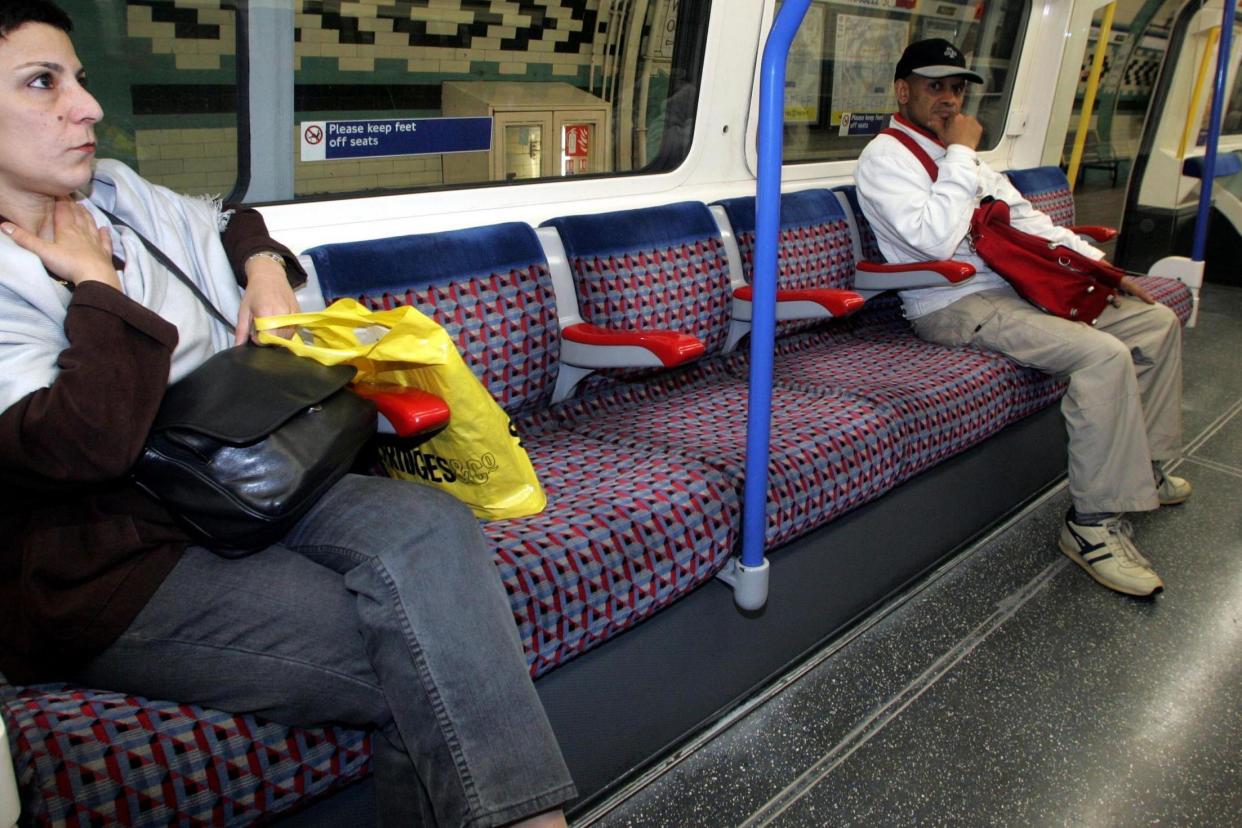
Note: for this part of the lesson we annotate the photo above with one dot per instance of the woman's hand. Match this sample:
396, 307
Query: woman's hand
78, 250
267, 294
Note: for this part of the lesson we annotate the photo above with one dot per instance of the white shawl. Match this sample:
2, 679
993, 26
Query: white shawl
33, 305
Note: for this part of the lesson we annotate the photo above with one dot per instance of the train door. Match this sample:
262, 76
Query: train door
1163, 193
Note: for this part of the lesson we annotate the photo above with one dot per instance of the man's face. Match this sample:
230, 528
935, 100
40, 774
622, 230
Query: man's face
930, 102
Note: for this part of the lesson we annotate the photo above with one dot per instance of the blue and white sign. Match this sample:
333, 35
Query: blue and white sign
331, 140
863, 123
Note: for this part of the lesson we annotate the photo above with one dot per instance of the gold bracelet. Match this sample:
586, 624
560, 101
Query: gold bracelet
267, 254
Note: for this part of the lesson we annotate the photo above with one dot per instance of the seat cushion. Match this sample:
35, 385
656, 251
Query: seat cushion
1169, 292
627, 530
829, 452
944, 400
87, 757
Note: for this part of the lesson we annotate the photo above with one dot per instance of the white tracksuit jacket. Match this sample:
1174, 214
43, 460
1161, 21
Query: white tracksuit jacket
916, 220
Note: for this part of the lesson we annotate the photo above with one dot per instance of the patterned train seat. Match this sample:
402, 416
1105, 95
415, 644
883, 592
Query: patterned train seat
88, 757
626, 530
830, 451
944, 399
1048, 190
868, 248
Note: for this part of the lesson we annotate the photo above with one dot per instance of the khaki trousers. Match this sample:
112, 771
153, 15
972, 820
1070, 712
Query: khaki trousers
1123, 408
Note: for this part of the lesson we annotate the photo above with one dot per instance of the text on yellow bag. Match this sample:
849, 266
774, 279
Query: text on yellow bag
477, 457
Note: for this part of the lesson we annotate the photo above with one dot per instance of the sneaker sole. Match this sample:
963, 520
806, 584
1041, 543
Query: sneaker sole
1176, 502
1073, 555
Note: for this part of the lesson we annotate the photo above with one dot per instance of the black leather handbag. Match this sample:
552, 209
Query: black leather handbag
245, 444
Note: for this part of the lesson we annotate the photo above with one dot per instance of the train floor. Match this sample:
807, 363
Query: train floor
1008, 688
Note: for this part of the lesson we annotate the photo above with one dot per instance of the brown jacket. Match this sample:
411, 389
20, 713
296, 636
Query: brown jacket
83, 548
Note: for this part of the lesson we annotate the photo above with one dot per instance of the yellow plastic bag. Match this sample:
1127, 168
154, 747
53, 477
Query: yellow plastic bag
477, 457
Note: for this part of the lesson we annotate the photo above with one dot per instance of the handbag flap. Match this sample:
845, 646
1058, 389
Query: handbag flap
244, 393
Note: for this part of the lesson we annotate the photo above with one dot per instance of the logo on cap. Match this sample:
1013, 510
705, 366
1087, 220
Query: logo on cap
950, 53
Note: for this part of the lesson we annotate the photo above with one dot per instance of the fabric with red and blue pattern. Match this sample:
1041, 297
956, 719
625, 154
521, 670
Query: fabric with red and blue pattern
88, 758
655, 267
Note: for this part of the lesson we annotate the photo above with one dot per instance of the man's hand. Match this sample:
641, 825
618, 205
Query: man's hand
1135, 289
961, 129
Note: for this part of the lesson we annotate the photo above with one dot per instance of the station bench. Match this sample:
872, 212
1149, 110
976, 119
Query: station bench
613, 341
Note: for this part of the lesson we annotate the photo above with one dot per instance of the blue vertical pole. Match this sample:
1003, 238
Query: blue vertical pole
1213, 137
763, 314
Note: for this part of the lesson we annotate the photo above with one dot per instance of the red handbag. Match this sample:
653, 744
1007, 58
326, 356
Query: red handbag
1050, 276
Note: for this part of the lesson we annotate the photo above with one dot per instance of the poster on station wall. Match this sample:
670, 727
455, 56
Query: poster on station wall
577, 140
577, 149
867, 49
803, 68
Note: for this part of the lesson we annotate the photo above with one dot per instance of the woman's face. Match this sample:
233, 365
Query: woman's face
47, 118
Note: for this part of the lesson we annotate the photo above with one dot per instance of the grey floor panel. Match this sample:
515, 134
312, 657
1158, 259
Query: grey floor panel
1084, 708
1212, 359
1224, 446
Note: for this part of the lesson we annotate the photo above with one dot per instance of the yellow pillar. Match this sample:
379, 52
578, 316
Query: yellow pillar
1205, 63
1088, 101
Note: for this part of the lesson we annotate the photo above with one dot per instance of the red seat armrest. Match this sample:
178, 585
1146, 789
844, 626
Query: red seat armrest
1095, 232
670, 347
953, 272
410, 410
834, 300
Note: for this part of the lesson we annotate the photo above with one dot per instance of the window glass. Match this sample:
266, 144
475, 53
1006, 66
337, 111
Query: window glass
839, 76
166, 77
1231, 119
397, 95
410, 95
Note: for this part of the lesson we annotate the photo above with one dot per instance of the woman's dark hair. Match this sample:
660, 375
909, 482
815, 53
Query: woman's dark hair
15, 13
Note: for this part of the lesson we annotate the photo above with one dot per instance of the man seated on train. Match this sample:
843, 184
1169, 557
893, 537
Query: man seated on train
1123, 406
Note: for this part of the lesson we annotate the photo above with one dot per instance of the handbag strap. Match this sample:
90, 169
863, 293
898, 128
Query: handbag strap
913, 146
173, 268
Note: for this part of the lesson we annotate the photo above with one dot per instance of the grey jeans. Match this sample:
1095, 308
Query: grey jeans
382, 610
1123, 408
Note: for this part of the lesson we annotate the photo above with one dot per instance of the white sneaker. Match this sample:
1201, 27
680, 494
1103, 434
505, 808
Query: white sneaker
1108, 554
1172, 490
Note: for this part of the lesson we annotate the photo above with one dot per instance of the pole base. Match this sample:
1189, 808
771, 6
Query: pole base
749, 583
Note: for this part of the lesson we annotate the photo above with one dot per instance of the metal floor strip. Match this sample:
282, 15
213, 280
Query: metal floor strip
873, 724
778, 686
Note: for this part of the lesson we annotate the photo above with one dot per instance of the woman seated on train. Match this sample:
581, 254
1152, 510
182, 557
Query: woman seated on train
380, 609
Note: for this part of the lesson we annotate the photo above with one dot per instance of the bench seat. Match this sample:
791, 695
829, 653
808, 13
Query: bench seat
643, 468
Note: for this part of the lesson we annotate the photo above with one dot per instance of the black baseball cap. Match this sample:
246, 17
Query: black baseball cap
935, 58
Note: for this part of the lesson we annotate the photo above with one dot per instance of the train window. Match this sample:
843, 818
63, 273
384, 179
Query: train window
839, 75
380, 95
1231, 120
416, 95
166, 76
